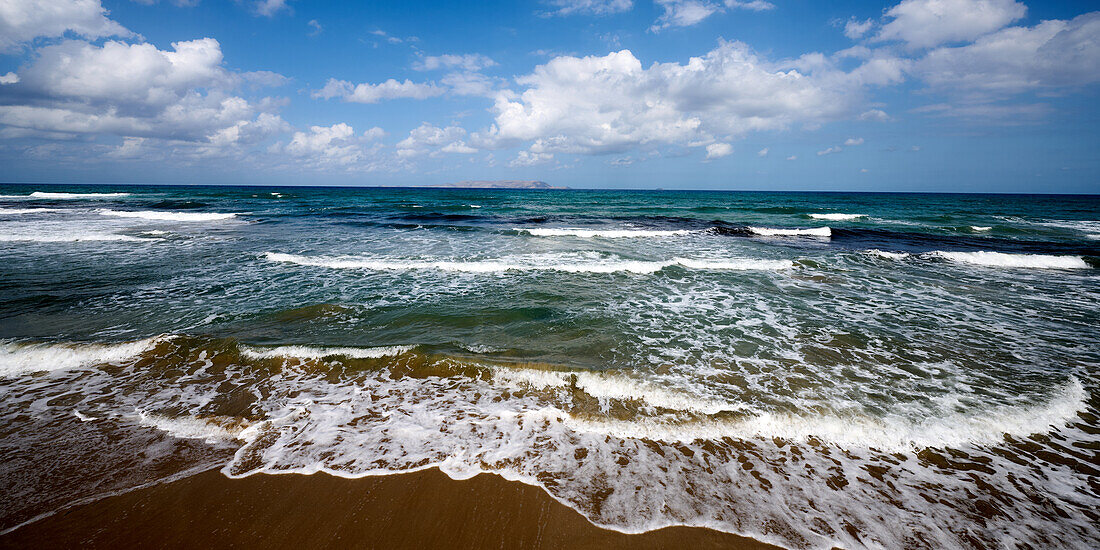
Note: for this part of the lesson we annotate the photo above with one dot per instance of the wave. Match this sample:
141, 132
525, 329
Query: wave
837, 217
1000, 259
780, 232
22, 358
886, 254
603, 233
307, 352
69, 237
540, 264
17, 211
64, 196
981, 228
210, 430
169, 216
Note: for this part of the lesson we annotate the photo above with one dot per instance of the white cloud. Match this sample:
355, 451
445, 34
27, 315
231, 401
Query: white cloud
136, 90
853, 141
268, 8
876, 115
433, 140
683, 13
589, 7
762, 153
315, 27
792, 157
373, 134
1053, 54
24, 20
612, 104
719, 150
468, 83
829, 151
10, 78
373, 93
527, 158
928, 23
751, 5
324, 146
855, 28
467, 62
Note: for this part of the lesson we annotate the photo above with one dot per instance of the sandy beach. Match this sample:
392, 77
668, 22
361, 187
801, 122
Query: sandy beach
423, 509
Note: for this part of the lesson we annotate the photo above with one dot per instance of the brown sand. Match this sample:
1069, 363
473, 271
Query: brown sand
417, 510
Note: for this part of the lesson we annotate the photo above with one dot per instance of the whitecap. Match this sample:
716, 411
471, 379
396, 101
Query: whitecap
529, 264
17, 358
63, 196
603, 233
169, 216
981, 228
1000, 259
886, 254
837, 217
780, 232
307, 352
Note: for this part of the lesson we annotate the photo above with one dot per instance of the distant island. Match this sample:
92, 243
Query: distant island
500, 184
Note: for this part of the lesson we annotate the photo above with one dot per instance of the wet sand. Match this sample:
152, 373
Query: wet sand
423, 509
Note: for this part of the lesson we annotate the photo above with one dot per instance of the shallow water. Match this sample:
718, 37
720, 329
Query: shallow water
809, 369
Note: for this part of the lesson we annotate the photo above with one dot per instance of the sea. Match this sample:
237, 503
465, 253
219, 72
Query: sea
808, 369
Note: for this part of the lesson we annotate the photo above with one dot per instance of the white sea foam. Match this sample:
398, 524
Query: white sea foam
170, 216
18, 211
1000, 259
981, 228
608, 386
48, 195
83, 417
837, 217
529, 264
208, 430
22, 358
474, 205
307, 352
602, 233
779, 232
68, 237
886, 254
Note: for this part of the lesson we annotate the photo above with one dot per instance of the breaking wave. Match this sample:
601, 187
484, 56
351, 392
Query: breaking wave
169, 216
1000, 259
780, 232
18, 358
64, 196
602, 233
837, 217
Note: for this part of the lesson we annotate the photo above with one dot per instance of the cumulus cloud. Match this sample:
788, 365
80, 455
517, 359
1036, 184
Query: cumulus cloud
588, 7
373, 93
24, 20
322, 146
136, 90
429, 139
467, 62
685, 13
610, 104
528, 158
268, 8
855, 28
762, 153
1052, 54
853, 141
9, 78
829, 151
929, 23
719, 150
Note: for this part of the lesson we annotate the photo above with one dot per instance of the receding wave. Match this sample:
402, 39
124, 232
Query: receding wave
837, 216
307, 352
169, 216
63, 196
783, 232
602, 233
530, 264
23, 358
1001, 259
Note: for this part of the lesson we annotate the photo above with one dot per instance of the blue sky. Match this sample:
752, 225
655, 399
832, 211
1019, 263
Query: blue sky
916, 95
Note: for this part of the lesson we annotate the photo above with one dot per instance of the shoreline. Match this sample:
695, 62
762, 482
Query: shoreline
422, 509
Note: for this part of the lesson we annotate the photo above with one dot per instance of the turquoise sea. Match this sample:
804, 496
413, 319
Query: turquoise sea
809, 369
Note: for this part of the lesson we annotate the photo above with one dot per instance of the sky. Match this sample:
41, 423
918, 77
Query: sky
916, 95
